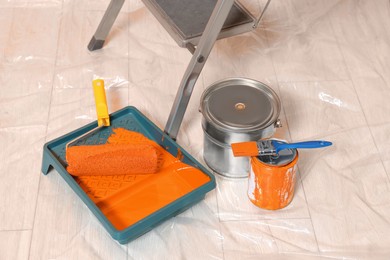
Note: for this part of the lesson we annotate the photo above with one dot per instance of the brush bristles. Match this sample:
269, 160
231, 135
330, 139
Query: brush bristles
245, 149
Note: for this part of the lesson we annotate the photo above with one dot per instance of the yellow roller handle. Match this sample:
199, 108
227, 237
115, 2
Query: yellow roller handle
101, 102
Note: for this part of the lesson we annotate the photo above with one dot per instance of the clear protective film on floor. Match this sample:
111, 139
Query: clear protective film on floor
328, 60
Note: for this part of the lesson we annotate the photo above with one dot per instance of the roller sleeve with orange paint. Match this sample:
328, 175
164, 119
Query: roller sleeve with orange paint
112, 159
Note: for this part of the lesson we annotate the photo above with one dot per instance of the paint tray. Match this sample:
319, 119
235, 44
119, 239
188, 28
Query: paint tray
117, 200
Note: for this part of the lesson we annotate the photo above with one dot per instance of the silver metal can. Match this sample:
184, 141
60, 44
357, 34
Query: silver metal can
236, 110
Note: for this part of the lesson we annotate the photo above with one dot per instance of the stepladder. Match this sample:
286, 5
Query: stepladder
193, 24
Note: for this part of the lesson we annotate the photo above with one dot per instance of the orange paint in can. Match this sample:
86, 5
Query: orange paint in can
272, 181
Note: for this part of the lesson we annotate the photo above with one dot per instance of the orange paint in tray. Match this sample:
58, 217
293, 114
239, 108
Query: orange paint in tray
272, 180
127, 198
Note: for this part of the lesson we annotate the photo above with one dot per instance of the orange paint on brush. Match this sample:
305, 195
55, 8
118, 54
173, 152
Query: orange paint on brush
245, 149
272, 187
126, 199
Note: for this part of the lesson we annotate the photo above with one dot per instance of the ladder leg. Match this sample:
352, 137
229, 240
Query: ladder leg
105, 25
206, 43
261, 14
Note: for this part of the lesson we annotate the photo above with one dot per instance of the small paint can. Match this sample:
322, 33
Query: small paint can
272, 179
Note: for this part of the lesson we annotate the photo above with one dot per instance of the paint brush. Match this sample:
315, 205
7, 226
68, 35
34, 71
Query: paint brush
272, 147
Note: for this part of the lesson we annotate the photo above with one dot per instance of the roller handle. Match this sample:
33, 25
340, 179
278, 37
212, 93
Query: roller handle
101, 102
308, 145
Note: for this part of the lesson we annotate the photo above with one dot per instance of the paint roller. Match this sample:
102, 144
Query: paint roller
109, 159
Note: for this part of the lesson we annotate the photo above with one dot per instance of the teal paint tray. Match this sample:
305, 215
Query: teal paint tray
93, 190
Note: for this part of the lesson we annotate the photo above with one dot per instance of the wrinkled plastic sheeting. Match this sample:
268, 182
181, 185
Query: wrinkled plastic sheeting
327, 60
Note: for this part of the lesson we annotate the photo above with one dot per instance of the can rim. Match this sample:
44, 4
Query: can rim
293, 160
272, 118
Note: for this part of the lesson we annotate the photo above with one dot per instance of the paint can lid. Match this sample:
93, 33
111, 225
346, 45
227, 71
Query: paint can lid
285, 157
240, 104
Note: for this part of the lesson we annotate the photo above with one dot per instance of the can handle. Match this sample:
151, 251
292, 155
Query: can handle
278, 124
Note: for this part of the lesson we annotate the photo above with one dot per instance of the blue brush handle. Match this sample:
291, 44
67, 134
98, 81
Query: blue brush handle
309, 144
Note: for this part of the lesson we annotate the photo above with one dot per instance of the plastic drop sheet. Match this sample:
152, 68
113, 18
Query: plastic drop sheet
328, 60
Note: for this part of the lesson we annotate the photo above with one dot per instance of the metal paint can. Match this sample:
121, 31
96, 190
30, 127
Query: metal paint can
272, 179
236, 110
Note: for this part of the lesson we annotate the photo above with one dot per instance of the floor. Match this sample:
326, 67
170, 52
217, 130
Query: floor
329, 62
